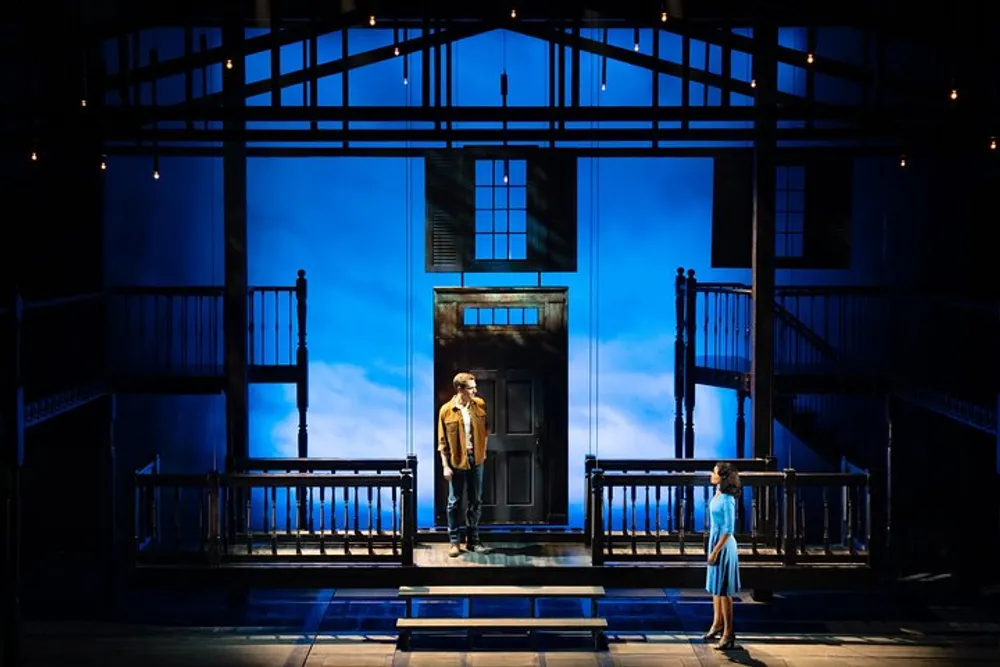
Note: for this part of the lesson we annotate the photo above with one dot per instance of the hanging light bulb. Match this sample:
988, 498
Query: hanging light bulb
229, 63
604, 86
635, 40
83, 103
395, 51
810, 58
663, 17
954, 94
34, 156
406, 80
513, 13
993, 144
753, 83
902, 161
156, 174
104, 164
506, 174
371, 20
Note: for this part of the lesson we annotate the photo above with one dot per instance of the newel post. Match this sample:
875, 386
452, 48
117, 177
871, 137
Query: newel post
789, 545
407, 514
679, 357
302, 363
411, 465
597, 517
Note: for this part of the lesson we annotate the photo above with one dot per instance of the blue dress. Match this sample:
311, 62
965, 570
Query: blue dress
723, 578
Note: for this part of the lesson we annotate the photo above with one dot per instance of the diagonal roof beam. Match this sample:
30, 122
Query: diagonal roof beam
641, 60
215, 56
788, 56
371, 57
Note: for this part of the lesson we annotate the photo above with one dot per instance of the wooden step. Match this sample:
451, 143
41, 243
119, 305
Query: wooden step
585, 624
501, 591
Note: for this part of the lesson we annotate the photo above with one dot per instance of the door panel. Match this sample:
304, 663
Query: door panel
514, 479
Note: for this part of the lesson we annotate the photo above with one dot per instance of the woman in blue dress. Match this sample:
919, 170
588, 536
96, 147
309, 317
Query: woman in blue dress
723, 579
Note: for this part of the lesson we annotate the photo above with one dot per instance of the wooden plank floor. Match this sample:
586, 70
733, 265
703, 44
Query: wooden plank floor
510, 554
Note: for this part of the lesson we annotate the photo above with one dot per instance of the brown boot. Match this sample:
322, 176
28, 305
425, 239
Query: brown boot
454, 551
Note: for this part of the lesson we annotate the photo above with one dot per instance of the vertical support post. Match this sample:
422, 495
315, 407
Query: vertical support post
12, 441
589, 464
741, 424
690, 388
275, 29
411, 465
408, 511
234, 300
679, 358
574, 91
597, 516
111, 488
765, 69
690, 334
552, 89
656, 81
302, 366
345, 80
425, 64
789, 545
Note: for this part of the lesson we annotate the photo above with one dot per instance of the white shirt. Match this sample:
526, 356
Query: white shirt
467, 420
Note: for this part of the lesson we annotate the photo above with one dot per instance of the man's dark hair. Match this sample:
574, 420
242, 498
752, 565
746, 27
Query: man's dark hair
729, 478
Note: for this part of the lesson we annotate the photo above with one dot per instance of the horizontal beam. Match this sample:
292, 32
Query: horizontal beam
599, 13
887, 115
793, 153
489, 136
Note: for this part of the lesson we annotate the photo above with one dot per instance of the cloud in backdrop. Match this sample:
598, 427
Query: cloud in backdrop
358, 411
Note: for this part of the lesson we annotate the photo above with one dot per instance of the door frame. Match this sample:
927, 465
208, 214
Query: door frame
458, 347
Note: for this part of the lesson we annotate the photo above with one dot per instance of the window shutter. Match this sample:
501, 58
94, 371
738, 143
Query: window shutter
732, 211
829, 205
552, 213
449, 186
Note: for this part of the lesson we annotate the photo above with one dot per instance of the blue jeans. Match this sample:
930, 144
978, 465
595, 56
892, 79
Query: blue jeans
469, 482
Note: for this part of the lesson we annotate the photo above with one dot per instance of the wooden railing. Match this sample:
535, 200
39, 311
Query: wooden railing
827, 330
647, 466
179, 330
782, 517
277, 517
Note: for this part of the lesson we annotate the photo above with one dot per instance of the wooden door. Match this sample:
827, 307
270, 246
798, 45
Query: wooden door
513, 476
514, 340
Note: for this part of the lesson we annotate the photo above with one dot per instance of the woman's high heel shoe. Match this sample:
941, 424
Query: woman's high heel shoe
712, 633
726, 644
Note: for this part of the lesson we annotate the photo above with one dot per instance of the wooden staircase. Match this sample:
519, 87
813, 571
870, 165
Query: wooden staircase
833, 364
474, 627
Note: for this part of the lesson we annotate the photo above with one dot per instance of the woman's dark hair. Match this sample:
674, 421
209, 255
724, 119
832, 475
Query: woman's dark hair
729, 478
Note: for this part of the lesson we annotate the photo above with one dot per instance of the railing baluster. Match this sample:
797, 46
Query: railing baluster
272, 518
395, 523
249, 519
826, 520
347, 519
850, 522
322, 520
609, 523
753, 524
298, 521
658, 535
632, 530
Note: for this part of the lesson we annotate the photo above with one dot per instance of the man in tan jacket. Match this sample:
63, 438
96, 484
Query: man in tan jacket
462, 432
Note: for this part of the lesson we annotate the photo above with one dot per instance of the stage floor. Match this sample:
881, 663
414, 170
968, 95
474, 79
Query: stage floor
321, 629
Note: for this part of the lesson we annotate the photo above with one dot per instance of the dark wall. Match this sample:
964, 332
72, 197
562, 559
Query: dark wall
53, 251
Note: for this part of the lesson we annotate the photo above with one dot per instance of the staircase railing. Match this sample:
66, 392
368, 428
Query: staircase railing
178, 331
